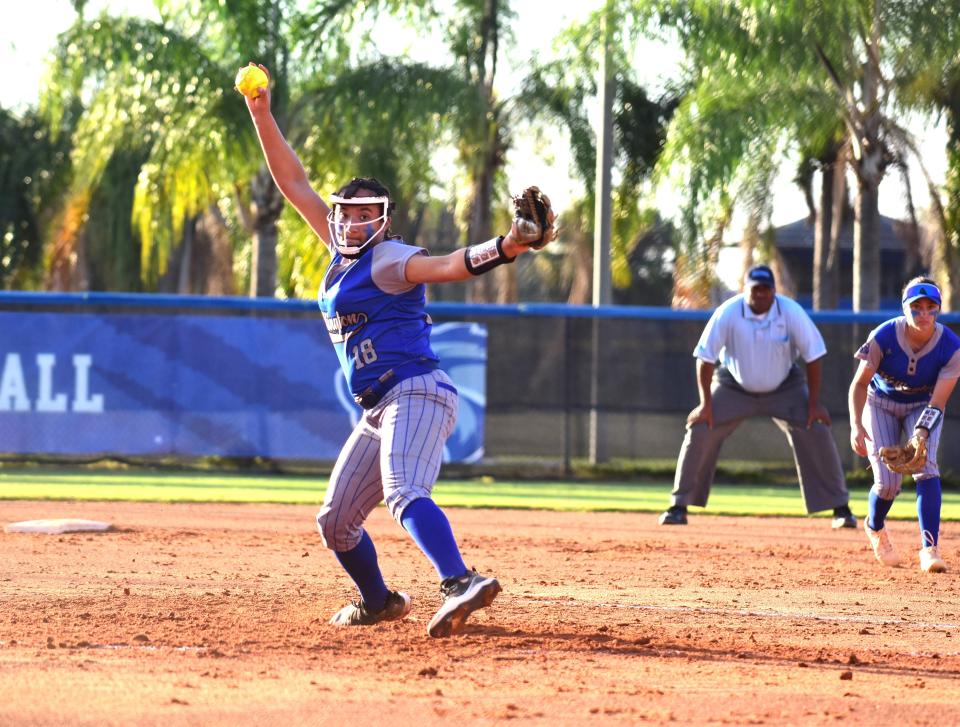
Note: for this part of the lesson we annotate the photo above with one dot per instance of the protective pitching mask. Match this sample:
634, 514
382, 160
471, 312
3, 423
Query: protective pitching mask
341, 227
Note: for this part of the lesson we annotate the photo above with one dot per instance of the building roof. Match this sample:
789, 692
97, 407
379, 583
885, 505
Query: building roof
799, 235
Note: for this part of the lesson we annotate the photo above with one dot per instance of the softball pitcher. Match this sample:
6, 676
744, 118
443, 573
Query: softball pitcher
908, 369
373, 302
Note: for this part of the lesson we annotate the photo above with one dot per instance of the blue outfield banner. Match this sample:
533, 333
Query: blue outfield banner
196, 386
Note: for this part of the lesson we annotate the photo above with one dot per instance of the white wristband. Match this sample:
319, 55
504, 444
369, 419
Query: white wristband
929, 418
485, 256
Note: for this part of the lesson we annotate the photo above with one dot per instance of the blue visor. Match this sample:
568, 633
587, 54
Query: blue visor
921, 290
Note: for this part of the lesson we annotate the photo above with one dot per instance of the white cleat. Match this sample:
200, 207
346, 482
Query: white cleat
882, 547
930, 560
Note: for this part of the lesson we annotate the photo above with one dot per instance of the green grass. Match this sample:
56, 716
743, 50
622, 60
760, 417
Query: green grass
640, 496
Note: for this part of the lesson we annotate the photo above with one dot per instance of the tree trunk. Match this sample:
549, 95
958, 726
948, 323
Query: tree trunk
948, 243
826, 271
488, 152
507, 286
581, 285
216, 260
267, 203
748, 248
479, 229
869, 165
184, 275
821, 236
866, 245
840, 210
67, 267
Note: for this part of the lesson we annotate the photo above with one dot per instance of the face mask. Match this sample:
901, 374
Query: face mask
340, 226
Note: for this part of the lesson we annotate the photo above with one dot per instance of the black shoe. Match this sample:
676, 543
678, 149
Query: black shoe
461, 596
843, 518
356, 613
675, 515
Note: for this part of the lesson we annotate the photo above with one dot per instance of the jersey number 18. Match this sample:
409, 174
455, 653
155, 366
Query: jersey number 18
364, 353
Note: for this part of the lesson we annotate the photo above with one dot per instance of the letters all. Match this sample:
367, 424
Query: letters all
14, 395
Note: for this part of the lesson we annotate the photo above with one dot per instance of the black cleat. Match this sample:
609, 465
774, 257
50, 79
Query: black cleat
675, 515
843, 518
462, 596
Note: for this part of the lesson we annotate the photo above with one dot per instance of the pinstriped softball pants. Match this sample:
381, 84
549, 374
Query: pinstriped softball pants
393, 455
887, 422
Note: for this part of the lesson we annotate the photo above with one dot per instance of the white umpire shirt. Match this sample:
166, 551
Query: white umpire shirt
759, 350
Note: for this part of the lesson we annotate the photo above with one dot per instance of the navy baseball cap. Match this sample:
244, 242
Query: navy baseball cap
759, 275
922, 290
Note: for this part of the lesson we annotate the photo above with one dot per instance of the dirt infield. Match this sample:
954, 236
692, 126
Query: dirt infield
216, 615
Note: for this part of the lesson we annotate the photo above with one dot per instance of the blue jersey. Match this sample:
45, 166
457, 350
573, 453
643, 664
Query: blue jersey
377, 320
903, 374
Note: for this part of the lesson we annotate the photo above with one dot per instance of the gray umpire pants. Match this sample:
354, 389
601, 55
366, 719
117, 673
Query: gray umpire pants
819, 469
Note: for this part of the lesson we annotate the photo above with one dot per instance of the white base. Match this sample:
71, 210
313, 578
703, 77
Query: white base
58, 526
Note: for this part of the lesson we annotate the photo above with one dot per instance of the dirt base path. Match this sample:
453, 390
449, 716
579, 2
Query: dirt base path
217, 615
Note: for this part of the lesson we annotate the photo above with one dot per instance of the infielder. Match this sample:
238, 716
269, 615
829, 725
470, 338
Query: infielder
908, 369
373, 302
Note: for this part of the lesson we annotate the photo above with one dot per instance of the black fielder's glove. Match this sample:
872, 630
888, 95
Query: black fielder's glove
908, 459
533, 223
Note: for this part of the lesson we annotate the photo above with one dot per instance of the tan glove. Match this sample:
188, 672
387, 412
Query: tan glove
908, 459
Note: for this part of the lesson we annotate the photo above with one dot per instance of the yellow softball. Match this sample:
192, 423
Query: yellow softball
249, 81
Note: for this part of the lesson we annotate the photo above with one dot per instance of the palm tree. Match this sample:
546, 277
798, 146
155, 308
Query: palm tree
558, 92
768, 72
930, 81
165, 86
160, 91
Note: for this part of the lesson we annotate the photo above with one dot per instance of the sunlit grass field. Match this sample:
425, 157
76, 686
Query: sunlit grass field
639, 496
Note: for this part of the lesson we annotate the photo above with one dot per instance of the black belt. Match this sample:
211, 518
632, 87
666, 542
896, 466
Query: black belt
371, 396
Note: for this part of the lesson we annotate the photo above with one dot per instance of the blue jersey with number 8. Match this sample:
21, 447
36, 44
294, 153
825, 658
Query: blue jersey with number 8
905, 375
381, 334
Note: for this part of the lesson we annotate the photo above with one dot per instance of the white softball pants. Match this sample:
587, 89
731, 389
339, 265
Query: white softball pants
887, 421
393, 455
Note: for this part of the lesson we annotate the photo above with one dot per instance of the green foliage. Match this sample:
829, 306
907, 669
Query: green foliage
650, 259
767, 77
930, 81
31, 175
153, 90
113, 253
302, 259
338, 33
558, 92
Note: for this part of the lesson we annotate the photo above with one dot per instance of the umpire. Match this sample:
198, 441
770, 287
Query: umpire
757, 337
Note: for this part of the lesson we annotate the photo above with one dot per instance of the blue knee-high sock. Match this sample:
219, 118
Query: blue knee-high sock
431, 530
928, 509
877, 509
361, 565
